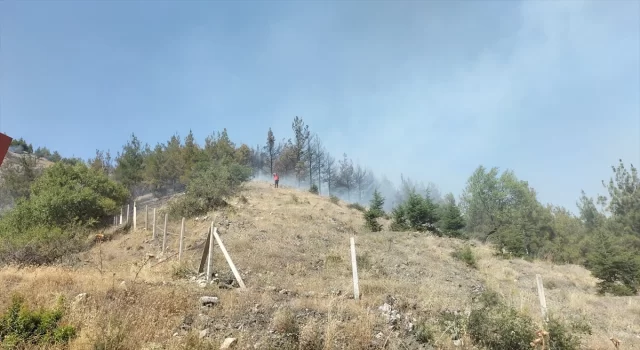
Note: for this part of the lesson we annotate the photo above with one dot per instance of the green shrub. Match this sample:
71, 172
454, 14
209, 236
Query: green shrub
376, 210
41, 245
499, 327
210, 186
371, 221
466, 255
617, 268
495, 325
314, 189
451, 221
334, 199
424, 334
560, 337
187, 206
64, 196
20, 326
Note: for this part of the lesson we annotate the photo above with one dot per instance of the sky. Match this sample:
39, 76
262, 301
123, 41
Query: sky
428, 89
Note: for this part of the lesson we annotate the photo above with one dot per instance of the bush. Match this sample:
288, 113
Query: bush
560, 337
209, 187
424, 334
20, 326
451, 221
41, 245
376, 210
69, 194
417, 213
466, 255
356, 206
187, 206
334, 199
498, 327
314, 189
617, 268
495, 325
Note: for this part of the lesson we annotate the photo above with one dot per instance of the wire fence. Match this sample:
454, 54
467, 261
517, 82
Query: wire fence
152, 216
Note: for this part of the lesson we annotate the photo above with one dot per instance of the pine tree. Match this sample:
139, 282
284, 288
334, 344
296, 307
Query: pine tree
302, 135
451, 220
271, 150
374, 212
129, 169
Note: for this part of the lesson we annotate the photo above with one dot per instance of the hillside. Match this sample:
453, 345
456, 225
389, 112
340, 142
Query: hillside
12, 157
292, 250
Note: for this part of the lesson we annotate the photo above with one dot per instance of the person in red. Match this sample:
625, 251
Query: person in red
276, 178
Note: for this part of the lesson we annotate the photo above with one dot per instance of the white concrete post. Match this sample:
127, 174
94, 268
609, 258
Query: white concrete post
181, 239
154, 224
128, 209
135, 216
121, 213
226, 256
543, 300
354, 266
210, 255
164, 235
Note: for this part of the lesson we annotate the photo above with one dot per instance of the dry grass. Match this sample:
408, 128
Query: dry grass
293, 255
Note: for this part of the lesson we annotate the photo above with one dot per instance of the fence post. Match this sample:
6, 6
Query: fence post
354, 266
543, 300
154, 224
210, 254
121, 213
181, 238
135, 216
146, 217
128, 209
229, 261
164, 235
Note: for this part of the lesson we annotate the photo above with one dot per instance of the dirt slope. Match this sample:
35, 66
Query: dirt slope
292, 250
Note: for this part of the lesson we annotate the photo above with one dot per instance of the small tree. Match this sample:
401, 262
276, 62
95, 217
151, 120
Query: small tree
417, 213
451, 221
617, 268
374, 212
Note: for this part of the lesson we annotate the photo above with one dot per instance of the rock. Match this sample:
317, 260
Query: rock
457, 342
123, 285
386, 308
209, 301
228, 343
80, 298
203, 333
202, 284
271, 289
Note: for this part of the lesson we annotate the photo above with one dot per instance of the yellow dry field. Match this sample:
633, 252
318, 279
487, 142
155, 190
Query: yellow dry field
292, 250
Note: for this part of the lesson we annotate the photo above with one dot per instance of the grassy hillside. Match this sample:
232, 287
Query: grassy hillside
292, 250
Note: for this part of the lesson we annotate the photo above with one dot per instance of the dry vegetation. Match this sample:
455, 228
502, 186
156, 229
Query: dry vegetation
292, 249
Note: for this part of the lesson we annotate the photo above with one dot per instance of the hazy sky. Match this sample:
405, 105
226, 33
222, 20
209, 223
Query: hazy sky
550, 89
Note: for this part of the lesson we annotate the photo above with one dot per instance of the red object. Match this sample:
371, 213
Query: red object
275, 177
5, 142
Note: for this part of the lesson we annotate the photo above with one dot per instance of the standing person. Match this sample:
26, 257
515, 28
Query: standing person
276, 178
